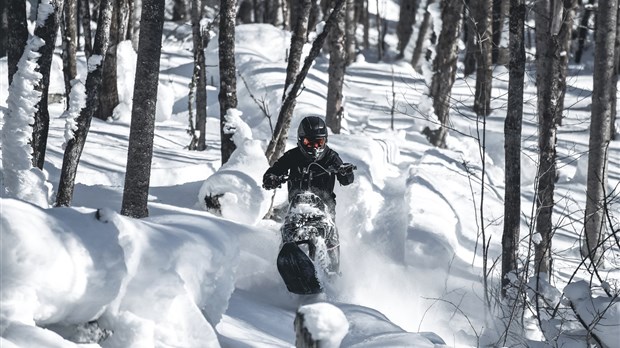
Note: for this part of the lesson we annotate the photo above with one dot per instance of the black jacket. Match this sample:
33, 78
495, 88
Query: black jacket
294, 162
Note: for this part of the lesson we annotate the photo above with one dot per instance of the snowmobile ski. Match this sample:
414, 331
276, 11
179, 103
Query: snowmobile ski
297, 270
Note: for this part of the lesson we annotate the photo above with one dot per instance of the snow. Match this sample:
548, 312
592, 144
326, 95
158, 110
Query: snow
410, 225
19, 178
77, 102
325, 323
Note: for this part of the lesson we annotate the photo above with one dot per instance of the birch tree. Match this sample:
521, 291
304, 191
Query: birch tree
84, 10
444, 68
277, 145
228, 78
512, 136
337, 65
553, 28
199, 78
600, 125
47, 27
142, 128
75, 145
69, 44
484, 54
17, 36
406, 21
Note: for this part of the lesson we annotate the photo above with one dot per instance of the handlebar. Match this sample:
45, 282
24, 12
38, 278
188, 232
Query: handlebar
344, 169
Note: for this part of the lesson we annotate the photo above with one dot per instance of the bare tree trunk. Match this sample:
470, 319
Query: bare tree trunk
444, 68
289, 102
337, 65
47, 32
380, 34
109, 90
108, 99
554, 26
228, 79
499, 11
316, 15
136, 13
298, 39
470, 41
606, 22
84, 10
350, 43
4, 28
546, 138
512, 135
277, 145
406, 21
614, 83
484, 60
583, 30
142, 129
69, 40
17, 36
366, 20
422, 36
563, 44
75, 146
199, 77
179, 10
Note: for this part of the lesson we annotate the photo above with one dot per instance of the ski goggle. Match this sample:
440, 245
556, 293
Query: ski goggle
314, 143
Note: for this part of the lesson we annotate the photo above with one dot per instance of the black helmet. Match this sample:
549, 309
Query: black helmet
312, 137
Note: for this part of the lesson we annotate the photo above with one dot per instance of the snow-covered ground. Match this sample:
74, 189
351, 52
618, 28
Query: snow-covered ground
410, 225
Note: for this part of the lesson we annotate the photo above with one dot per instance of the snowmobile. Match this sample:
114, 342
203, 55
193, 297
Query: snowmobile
305, 260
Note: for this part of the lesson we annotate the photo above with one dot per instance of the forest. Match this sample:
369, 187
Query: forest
523, 59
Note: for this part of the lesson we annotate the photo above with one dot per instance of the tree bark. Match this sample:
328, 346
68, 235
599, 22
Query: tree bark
422, 36
142, 129
350, 42
484, 57
4, 28
47, 32
277, 145
546, 138
199, 77
606, 21
337, 65
469, 28
75, 146
499, 11
444, 68
69, 51
228, 79
84, 9
614, 83
582, 34
17, 36
406, 21
512, 136
109, 90
179, 10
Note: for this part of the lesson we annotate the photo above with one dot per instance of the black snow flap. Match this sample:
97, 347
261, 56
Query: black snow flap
297, 270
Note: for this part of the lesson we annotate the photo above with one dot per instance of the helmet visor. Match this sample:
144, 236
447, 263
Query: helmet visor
317, 143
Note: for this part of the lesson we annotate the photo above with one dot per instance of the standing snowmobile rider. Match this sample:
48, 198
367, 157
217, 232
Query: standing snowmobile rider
312, 154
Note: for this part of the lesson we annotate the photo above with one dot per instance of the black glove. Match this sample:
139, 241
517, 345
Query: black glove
270, 182
345, 174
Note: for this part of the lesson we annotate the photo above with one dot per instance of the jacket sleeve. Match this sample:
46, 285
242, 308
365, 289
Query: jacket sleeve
280, 167
345, 179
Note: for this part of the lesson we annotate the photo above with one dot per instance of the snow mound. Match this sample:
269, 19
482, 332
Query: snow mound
235, 191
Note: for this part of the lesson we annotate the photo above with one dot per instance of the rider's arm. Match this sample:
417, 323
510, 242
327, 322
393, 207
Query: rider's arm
343, 178
279, 168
